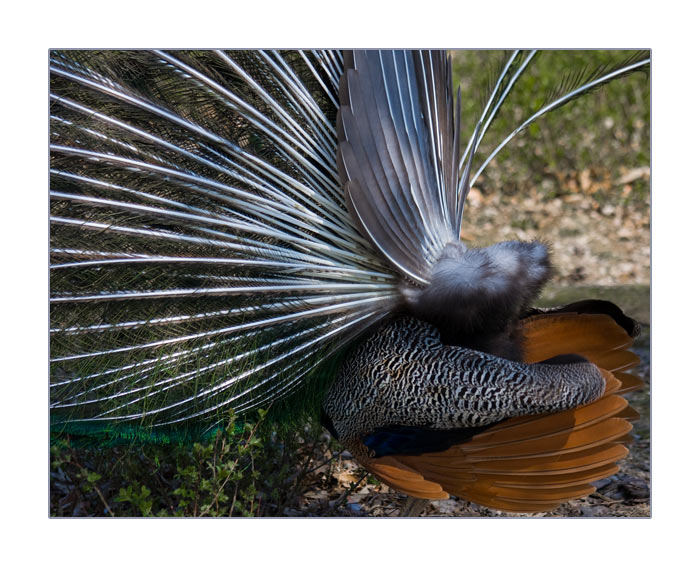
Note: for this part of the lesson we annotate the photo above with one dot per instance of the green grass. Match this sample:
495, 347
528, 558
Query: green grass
607, 130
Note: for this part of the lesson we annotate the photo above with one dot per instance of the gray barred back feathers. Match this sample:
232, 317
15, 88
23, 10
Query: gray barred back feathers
405, 375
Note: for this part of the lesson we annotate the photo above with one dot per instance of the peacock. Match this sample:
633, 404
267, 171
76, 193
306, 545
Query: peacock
235, 230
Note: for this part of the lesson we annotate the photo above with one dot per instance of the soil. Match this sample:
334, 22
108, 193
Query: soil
598, 232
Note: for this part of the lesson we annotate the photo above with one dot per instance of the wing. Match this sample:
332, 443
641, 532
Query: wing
534, 463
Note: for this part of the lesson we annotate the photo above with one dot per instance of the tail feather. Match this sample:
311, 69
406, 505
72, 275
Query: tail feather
556, 444
202, 256
398, 152
399, 476
578, 83
629, 382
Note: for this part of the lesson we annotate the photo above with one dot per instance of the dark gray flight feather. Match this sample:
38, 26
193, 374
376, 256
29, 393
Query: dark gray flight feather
398, 152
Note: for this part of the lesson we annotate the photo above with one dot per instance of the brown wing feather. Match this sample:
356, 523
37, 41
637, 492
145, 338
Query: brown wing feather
612, 360
549, 335
400, 477
629, 382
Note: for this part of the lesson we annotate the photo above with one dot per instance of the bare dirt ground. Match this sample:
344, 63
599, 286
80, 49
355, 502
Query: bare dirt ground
593, 241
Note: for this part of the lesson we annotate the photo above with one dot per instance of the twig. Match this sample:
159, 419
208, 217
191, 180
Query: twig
413, 507
339, 501
99, 493
303, 471
298, 473
84, 471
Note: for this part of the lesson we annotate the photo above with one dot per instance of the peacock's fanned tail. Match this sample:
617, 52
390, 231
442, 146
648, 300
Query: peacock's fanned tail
225, 223
202, 256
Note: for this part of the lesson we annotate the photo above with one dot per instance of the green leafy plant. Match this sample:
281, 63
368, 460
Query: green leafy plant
247, 468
